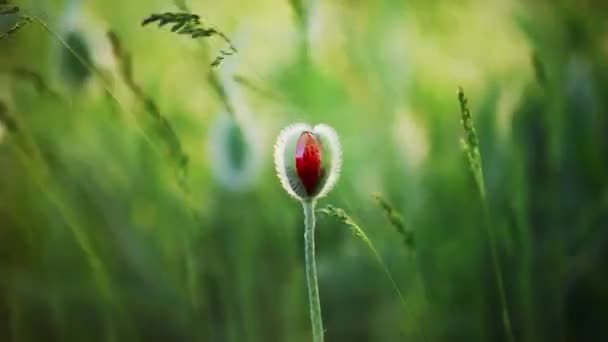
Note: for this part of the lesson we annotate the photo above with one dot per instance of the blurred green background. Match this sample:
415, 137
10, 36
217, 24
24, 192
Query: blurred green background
144, 206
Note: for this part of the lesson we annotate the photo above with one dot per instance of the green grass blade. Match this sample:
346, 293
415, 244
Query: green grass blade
345, 219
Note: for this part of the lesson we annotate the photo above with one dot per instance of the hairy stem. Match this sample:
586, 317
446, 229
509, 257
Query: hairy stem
311, 271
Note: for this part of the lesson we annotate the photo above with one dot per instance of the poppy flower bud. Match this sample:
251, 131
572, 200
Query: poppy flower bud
308, 160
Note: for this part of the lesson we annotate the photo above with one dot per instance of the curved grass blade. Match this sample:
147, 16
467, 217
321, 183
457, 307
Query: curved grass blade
345, 219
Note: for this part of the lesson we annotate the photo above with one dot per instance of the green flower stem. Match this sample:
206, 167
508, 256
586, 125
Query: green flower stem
311, 271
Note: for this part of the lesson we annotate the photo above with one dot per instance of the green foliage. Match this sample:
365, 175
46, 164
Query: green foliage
190, 24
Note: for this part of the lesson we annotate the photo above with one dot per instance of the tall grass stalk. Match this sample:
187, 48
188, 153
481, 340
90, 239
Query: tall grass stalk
470, 146
343, 217
311, 271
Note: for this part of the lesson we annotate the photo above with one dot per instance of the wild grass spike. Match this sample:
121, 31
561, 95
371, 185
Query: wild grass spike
307, 174
21, 22
190, 24
470, 146
396, 220
345, 219
470, 143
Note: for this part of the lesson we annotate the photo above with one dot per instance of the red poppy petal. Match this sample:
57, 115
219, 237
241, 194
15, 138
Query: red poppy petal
308, 162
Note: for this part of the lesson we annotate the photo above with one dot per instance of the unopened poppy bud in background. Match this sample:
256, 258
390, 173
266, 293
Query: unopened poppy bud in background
89, 47
235, 155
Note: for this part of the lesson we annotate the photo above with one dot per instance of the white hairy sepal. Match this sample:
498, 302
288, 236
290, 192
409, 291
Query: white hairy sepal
284, 159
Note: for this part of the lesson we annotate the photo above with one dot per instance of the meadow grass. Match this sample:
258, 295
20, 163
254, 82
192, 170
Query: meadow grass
113, 228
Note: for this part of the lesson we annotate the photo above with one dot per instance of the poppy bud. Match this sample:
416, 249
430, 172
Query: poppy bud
308, 160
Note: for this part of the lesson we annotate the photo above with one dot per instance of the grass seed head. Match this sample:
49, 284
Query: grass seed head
191, 25
470, 142
396, 220
11, 20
